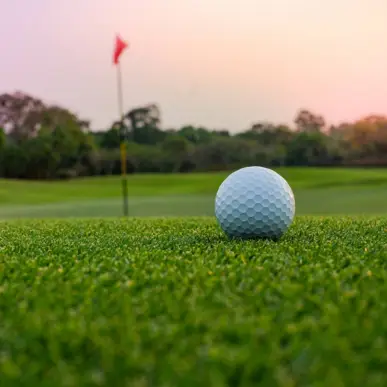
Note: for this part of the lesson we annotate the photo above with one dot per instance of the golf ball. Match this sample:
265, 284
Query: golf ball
254, 202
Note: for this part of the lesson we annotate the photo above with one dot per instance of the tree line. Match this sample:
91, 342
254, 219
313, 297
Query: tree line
42, 141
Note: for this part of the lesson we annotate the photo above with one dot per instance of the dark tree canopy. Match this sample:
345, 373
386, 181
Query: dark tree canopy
43, 141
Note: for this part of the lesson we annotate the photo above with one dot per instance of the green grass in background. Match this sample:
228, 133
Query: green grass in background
27, 192
317, 191
156, 302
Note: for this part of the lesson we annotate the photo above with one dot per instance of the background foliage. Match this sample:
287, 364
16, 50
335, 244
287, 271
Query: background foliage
40, 141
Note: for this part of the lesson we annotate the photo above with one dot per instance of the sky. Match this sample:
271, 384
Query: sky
222, 64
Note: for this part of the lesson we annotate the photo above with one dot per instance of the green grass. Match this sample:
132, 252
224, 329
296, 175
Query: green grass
317, 191
22, 192
173, 302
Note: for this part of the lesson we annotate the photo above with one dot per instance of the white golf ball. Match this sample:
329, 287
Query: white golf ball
254, 202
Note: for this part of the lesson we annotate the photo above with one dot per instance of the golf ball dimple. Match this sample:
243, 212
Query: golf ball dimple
254, 202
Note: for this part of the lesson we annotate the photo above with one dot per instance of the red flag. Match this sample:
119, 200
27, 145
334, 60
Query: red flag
119, 48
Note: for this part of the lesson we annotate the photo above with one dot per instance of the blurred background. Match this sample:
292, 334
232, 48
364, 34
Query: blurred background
65, 169
207, 87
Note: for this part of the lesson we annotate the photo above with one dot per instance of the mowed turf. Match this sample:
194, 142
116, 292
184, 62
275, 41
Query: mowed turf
317, 191
173, 302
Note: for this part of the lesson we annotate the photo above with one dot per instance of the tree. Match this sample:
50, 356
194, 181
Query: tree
367, 139
53, 116
268, 134
224, 153
309, 122
68, 136
42, 160
144, 123
261, 127
379, 135
20, 114
221, 133
13, 161
109, 139
176, 148
3, 138
195, 135
42, 141
311, 149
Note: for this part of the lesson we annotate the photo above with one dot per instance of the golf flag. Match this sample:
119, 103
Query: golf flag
120, 46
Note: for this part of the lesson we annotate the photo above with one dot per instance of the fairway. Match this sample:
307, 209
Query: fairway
173, 302
317, 191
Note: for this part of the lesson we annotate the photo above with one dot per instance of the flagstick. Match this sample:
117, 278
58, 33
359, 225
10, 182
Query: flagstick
122, 143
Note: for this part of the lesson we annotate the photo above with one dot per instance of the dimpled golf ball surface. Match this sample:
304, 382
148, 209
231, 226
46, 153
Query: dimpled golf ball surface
254, 202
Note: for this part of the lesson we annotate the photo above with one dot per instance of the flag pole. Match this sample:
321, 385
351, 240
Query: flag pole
120, 46
122, 141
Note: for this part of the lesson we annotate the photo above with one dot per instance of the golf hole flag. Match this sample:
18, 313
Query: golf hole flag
120, 46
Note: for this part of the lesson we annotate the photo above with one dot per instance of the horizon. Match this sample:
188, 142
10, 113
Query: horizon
323, 57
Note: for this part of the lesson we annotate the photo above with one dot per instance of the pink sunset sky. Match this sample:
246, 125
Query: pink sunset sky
223, 64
